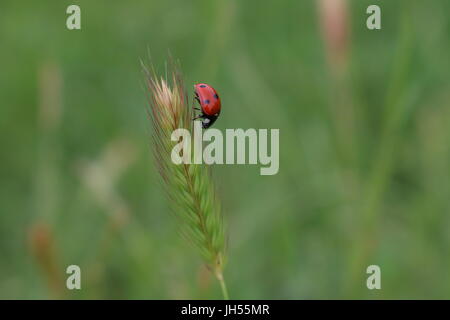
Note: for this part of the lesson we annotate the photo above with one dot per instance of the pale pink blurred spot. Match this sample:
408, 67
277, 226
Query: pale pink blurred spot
334, 22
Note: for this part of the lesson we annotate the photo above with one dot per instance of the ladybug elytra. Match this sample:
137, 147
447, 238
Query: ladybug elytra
209, 102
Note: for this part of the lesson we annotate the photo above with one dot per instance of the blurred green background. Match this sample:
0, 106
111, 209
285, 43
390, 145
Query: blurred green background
364, 148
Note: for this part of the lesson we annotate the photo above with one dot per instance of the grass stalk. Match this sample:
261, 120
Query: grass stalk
223, 286
189, 187
379, 178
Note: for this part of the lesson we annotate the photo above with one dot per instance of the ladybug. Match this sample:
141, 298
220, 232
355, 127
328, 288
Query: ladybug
209, 102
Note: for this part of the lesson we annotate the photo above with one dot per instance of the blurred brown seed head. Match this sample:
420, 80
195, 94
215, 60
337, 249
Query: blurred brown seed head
42, 247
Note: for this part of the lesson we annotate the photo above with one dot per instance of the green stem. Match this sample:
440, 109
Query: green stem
223, 286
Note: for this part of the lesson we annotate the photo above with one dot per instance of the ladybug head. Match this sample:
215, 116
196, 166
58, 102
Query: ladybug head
208, 121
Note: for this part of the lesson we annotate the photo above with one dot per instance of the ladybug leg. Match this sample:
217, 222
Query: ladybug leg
196, 97
198, 117
198, 100
194, 107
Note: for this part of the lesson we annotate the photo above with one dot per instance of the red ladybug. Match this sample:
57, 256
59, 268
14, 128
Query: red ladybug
209, 102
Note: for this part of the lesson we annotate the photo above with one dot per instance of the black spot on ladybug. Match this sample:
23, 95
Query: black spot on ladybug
202, 86
206, 101
216, 96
